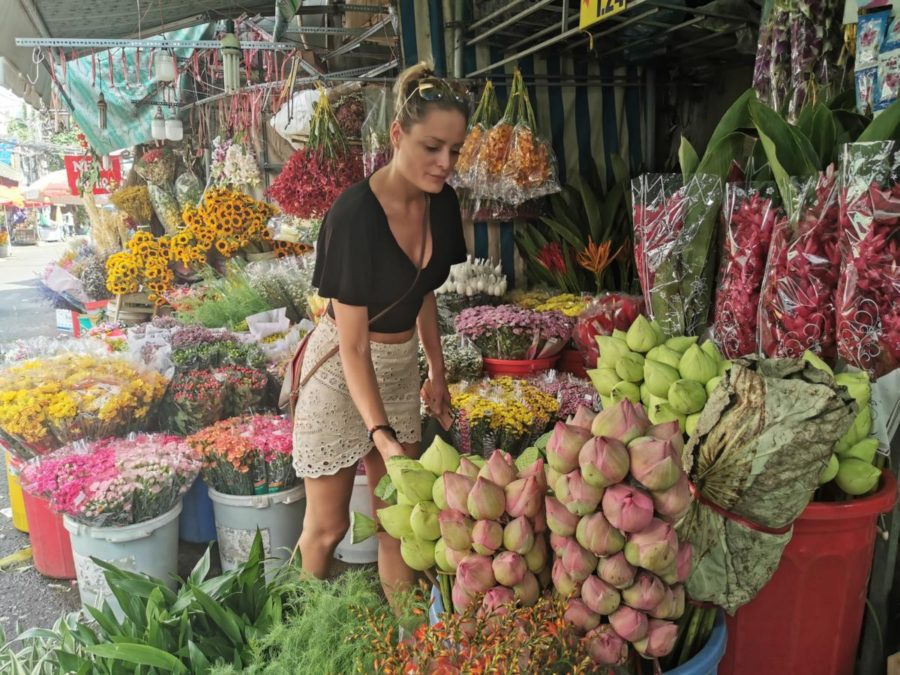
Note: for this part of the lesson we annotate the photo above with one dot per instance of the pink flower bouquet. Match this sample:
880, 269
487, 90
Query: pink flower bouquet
511, 332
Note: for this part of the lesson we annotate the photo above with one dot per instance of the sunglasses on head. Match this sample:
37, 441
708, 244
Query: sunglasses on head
437, 89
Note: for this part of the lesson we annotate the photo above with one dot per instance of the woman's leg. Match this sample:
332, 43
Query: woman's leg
327, 519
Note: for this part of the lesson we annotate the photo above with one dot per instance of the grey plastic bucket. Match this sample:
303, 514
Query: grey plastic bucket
365, 551
279, 517
150, 548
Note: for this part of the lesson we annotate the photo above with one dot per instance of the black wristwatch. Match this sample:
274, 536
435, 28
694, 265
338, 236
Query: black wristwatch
382, 427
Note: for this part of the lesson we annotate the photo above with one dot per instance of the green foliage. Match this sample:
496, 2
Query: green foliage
228, 301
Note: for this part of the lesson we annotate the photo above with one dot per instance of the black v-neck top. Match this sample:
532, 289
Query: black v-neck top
359, 262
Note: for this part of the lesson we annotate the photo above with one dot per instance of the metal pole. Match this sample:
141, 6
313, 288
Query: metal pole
541, 33
526, 52
438, 47
637, 18
650, 38
458, 13
650, 117
485, 19
511, 20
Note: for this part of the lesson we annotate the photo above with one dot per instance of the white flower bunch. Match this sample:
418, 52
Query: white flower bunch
473, 277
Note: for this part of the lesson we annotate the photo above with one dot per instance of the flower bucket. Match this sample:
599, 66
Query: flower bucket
148, 548
16, 502
51, 548
518, 368
571, 361
197, 523
818, 590
279, 517
365, 551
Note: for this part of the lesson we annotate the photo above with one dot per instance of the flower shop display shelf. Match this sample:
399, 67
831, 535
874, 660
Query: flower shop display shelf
131, 308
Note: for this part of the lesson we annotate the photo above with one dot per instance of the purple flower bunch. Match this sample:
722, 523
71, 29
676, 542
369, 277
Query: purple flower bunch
195, 336
570, 392
512, 332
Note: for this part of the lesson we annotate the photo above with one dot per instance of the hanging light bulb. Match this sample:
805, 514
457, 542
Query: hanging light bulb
101, 111
158, 126
231, 58
174, 129
165, 67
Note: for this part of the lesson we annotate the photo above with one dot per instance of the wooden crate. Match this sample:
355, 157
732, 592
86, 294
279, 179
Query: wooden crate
131, 309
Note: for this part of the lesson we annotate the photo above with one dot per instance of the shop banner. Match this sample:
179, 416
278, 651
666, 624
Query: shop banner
109, 178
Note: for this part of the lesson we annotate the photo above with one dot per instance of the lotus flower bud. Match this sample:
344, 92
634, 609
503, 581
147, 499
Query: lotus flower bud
606, 403
582, 418
858, 386
687, 397
467, 468
578, 562
681, 343
576, 495
697, 366
599, 596
658, 330
487, 500
475, 574
477, 460
709, 348
690, 423
487, 536
605, 646
640, 336
456, 491
626, 391
437, 494
564, 584
440, 557
654, 463
536, 557
665, 608
662, 413
509, 568
394, 464
418, 554
559, 519
424, 521
830, 471
403, 500
864, 451
673, 503
724, 367
665, 355
857, 478
599, 537
659, 377
616, 571
497, 601
604, 379
684, 561
712, 384
539, 522
461, 597
395, 520
645, 395
527, 591
499, 468
440, 457
646, 592
557, 543
630, 367
518, 535
536, 471
523, 497
454, 557
551, 475
564, 446
415, 484
627, 508
623, 422
678, 603
654, 548
858, 431
578, 614
630, 624
660, 639
668, 431
611, 349
604, 461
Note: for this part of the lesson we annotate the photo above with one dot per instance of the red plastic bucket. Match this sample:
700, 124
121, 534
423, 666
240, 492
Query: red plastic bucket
807, 619
51, 548
571, 361
518, 368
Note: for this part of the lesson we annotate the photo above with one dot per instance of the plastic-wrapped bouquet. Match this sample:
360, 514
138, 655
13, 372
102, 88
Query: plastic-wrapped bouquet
568, 303
285, 282
510, 332
570, 392
613, 311
462, 360
232, 164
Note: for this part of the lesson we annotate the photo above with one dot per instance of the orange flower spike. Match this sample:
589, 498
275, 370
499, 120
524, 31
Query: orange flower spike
595, 257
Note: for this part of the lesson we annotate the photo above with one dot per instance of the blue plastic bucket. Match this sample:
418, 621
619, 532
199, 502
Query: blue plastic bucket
197, 524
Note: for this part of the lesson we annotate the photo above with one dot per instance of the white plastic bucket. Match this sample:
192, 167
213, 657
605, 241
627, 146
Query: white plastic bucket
279, 517
150, 548
366, 551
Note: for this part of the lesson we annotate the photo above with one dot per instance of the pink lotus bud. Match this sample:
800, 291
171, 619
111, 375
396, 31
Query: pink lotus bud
509, 568
624, 422
577, 562
536, 557
539, 522
537, 472
557, 543
487, 536
668, 431
523, 497
629, 623
672, 607
461, 597
604, 461
475, 574
559, 520
606, 647
583, 418
486, 501
616, 571
456, 529
646, 592
627, 508
684, 561
454, 556
551, 475
576, 495
564, 446
654, 463
456, 491
599, 596
659, 641
518, 535
654, 548
578, 614
673, 503
527, 591
599, 537
467, 468
499, 468
497, 601
562, 582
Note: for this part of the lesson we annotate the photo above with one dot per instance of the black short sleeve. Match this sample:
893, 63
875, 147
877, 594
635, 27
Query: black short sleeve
457, 244
343, 269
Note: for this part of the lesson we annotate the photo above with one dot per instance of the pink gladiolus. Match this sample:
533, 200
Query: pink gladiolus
509, 568
599, 596
673, 503
518, 535
577, 562
562, 582
499, 468
564, 446
583, 417
487, 536
599, 537
616, 571
580, 616
456, 529
486, 501
456, 491
523, 497
646, 592
659, 641
475, 574
654, 463
606, 647
654, 548
497, 601
625, 421
527, 591
559, 519
604, 461
627, 508
630, 624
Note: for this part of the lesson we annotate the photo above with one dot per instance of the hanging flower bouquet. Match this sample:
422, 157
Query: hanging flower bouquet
512, 333
134, 201
233, 165
486, 115
115, 481
246, 455
156, 166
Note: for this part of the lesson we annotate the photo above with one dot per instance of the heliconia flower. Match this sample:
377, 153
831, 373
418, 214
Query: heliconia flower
630, 624
440, 457
594, 533
424, 521
527, 591
487, 500
523, 497
536, 471
456, 529
599, 596
577, 561
580, 616
475, 574
467, 468
616, 571
499, 468
654, 548
564, 445
659, 641
509, 568
487, 536
605, 646
673, 503
559, 519
395, 520
456, 491
654, 463
627, 508
562, 582
625, 421
537, 556
576, 495
518, 535
646, 592
604, 461
417, 553
497, 601
582, 418
684, 561
461, 597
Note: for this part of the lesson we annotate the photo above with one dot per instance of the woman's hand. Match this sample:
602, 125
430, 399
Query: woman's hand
436, 397
387, 445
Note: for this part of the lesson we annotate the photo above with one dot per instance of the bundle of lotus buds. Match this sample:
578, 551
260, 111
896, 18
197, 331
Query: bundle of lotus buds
473, 277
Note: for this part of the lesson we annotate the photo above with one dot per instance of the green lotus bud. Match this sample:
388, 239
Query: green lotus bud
606, 402
645, 393
661, 414
712, 384
528, 457
437, 494
657, 329
687, 396
697, 366
385, 490
858, 431
630, 367
424, 521
857, 478
813, 359
724, 367
659, 377
394, 464
417, 553
658, 400
641, 337
440, 457
830, 471
665, 355
709, 348
604, 379
864, 451
415, 484
690, 423
681, 343
395, 520
440, 557
611, 350
477, 460
625, 390
621, 334
362, 527
858, 386
404, 500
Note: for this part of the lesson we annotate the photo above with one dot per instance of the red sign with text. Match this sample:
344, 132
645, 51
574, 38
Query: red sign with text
109, 178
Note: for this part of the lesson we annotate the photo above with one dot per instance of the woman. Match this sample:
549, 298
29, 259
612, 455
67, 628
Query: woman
386, 244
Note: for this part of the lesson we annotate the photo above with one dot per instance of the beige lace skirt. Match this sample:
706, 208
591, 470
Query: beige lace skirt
329, 433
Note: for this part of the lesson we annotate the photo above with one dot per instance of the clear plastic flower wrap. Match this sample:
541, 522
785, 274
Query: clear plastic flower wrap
796, 308
749, 214
608, 312
284, 227
165, 204
156, 166
486, 115
867, 305
284, 282
376, 145
570, 392
188, 190
462, 360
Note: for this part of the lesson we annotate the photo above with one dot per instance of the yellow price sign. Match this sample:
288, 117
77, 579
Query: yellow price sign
593, 11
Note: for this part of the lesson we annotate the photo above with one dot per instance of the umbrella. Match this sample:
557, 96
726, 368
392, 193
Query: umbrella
51, 189
11, 196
